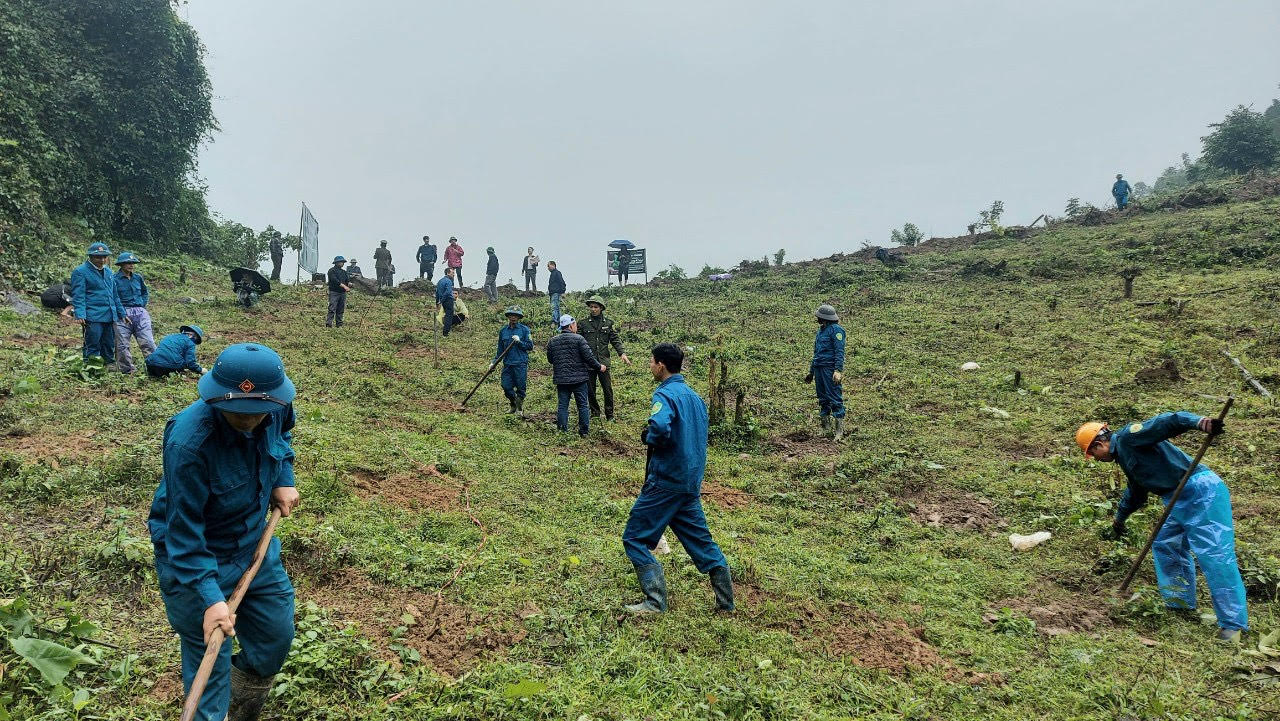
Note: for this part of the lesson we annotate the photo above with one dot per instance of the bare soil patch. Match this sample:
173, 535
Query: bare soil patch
451, 638
1057, 613
52, 447
413, 491
942, 507
725, 497
802, 444
874, 642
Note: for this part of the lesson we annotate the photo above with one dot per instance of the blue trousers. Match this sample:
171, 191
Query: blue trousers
655, 509
447, 304
555, 310
830, 394
579, 393
264, 627
99, 340
1201, 529
1122, 201
514, 380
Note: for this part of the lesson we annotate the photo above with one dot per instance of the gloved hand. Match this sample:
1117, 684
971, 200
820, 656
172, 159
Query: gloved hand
809, 378
644, 430
837, 376
1115, 532
1211, 425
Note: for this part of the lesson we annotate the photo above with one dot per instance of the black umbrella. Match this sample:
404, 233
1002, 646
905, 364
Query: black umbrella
251, 278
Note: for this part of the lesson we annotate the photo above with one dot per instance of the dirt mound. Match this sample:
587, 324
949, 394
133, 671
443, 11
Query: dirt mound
1059, 615
450, 637
52, 448
410, 490
874, 642
725, 497
802, 444
942, 507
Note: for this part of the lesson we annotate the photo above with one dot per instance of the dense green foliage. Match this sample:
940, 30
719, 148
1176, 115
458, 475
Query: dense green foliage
1242, 142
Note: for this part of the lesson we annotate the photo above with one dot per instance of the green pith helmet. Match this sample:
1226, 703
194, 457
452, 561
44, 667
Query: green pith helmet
598, 301
826, 312
514, 310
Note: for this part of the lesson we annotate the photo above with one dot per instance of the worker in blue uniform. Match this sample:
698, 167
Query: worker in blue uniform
1200, 527
97, 307
676, 435
444, 299
1120, 191
227, 458
131, 288
515, 364
426, 256
826, 370
176, 352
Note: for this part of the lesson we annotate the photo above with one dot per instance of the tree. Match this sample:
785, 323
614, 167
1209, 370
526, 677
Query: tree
990, 218
1242, 142
910, 235
777, 257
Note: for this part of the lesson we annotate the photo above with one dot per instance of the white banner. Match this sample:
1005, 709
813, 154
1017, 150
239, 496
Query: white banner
309, 256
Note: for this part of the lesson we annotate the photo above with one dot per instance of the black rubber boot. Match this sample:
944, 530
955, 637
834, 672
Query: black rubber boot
826, 424
654, 585
1229, 635
520, 407
512, 403
839, 430
722, 584
248, 694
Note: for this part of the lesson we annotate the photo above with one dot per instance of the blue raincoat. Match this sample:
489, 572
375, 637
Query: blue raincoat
828, 356
1120, 191
175, 352
515, 365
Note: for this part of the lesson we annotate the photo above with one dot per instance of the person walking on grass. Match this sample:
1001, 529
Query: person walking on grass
491, 276
382, 264
426, 258
1200, 528
131, 289
207, 517
555, 289
827, 370
453, 259
97, 306
176, 352
339, 286
529, 266
515, 364
676, 435
601, 335
1120, 191
572, 362
444, 301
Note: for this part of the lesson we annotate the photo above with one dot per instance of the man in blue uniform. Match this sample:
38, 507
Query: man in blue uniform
1200, 528
339, 285
827, 369
1120, 191
132, 291
227, 458
515, 364
672, 494
444, 299
426, 258
97, 307
176, 352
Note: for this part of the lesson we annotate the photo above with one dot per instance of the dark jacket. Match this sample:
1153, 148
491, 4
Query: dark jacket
382, 258
571, 359
677, 437
277, 248
492, 267
426, 254
600, 334
1150, 462
444, 290
93, 293
519, 353
338, 278
828, 348
555, 282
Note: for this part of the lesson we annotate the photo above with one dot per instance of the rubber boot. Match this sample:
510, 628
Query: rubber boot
722, 584
512, 409
1229, 635
826, 424
248, 693
520, 407
839, 430
654, 585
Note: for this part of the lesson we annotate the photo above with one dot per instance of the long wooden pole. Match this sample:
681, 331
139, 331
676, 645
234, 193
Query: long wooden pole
214, 646
511, 345
1248, 377
1168, 508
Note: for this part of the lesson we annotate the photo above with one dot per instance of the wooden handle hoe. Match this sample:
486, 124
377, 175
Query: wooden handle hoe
215, 639
1168, 508
486, 373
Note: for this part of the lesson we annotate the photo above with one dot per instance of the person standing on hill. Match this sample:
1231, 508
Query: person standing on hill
515, 364
453, 259
827, 369
555, 289
227, 459
339, 285
176, 352
529, 266
624, 265
1120, 191
572, 362
277, 256
132, 292
676, 435
426, 258
444, 300
601, 334
1200, 528
382, 264
353, 268
491, 276
97, 307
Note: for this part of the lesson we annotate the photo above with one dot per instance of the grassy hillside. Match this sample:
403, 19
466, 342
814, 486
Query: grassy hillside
466, 564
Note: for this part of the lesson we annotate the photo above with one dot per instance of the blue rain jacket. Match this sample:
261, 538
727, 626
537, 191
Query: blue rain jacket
1120, 189
132, 291
426, 254
444, 289
211, 505
518, 355
677, 437
176, 352
555, 282
828, 348
1151, 463
93, 294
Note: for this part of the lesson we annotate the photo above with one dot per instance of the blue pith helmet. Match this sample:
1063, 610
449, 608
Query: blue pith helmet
338, 259
514, 310
194, 329
127, 257
247, 378
99, 249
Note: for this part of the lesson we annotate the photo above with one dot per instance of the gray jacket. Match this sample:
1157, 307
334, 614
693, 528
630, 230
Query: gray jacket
571, 359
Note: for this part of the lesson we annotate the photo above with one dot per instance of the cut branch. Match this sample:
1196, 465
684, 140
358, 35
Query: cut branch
1248, 377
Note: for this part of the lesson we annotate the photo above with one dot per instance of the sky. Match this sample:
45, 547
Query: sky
706, 132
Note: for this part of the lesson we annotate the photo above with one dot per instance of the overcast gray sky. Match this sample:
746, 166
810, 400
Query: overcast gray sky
705, 131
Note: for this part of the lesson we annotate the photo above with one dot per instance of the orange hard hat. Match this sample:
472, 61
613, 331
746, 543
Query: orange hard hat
1086, 435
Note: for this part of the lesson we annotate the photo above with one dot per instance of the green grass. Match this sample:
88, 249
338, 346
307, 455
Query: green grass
852, 604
